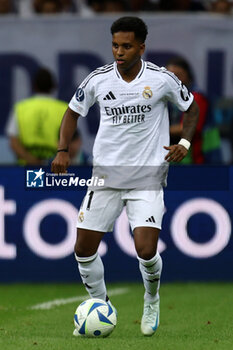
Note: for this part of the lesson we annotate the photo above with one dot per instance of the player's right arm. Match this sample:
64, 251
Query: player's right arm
68, 127
80, 103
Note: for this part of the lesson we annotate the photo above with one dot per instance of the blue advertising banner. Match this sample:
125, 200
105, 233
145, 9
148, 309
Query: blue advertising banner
37, 228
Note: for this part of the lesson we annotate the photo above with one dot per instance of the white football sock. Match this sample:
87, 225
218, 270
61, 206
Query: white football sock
151, 272
91, 271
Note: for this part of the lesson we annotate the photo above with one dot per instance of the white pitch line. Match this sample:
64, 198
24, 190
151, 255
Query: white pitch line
58, 302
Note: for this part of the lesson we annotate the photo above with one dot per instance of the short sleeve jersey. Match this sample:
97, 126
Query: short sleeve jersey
134, 123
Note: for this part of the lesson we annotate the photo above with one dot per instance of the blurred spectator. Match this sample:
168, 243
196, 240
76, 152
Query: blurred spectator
90, 7
181, 68
108, 5
143, 5
47, 6
222, 7
77, 155
68, 6
223, 117
33, 127
150, 5
83, 8
27, 8
96, 5
6, 7
181, 5
115, 6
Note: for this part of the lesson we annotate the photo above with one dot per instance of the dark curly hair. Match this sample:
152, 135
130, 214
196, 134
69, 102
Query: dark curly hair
131, 24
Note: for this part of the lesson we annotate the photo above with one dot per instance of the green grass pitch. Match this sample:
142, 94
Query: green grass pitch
193, 317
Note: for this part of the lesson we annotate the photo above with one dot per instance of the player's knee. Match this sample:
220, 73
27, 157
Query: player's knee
83, 251
80, 251
81, 247
146, 253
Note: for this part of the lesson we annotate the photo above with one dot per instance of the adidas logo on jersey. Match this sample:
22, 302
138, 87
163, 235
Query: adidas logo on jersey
109, 96
151, 219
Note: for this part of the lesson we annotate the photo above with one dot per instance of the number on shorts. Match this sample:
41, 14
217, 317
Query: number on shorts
89, 200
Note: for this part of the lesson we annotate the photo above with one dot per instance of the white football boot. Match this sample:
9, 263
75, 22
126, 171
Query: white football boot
113, 307
150, 318
76, 333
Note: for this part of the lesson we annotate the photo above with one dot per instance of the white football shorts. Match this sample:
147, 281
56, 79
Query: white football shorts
101, 208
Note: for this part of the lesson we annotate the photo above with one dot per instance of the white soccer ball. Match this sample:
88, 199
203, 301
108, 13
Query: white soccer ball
95, 318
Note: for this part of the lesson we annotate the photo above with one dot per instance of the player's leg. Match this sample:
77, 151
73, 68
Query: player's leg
90, 265
145, 211
150, 264
97, 214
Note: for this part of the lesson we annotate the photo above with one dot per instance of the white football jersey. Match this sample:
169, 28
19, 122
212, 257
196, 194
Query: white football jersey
134, 124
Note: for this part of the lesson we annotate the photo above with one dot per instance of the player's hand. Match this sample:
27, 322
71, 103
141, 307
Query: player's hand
60, 163
176, 153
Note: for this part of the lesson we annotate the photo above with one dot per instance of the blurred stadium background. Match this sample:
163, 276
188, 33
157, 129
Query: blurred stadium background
37, 228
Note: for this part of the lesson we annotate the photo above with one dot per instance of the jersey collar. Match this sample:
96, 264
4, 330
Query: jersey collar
138, 75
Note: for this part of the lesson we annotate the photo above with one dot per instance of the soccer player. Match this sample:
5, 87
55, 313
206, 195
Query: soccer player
134, 133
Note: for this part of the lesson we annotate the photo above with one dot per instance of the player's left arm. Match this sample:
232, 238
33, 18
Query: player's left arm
178, 152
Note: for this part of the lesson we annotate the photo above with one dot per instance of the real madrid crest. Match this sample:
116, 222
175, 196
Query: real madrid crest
147, 93
81, 217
